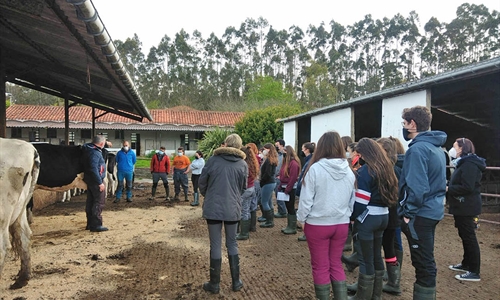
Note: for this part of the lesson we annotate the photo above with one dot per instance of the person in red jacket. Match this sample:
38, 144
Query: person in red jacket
160, 165
289, 174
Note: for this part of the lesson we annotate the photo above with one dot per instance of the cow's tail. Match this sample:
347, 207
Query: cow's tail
35, 171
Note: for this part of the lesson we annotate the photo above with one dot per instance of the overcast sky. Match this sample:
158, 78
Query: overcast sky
152, 19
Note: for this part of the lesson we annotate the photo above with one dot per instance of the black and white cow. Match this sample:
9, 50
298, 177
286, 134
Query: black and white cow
19, 170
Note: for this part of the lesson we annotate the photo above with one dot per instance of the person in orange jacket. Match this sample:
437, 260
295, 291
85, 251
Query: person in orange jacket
181, 169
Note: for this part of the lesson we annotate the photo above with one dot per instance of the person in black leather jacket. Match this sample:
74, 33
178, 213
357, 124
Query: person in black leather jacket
464, 199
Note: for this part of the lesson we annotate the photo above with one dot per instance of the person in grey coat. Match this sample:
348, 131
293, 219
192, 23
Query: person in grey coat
222, 182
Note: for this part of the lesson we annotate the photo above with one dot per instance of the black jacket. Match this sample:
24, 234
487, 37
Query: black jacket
267, 172
464, 188
94, 165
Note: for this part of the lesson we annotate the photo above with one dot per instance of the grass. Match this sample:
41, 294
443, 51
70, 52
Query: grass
143, 162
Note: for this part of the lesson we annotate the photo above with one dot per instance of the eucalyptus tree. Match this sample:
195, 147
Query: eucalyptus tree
297, 59
318, 42
433, 46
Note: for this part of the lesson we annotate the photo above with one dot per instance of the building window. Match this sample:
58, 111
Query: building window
86, 133
119, 134
34, 136
16, 133
51, 133
104, 134
133, 137
72, 137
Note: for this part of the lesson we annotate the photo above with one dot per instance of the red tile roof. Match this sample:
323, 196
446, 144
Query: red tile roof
172, 116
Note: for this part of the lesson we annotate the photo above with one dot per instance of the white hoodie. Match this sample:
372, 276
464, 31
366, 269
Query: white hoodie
327, 196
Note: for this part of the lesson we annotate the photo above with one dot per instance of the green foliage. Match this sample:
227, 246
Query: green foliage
264, 89
212, 140
143, 162
260, 126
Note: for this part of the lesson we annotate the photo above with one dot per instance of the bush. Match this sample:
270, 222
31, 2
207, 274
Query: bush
260, 126
212, 140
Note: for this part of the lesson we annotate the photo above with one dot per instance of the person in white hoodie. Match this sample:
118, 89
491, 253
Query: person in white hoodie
326, 203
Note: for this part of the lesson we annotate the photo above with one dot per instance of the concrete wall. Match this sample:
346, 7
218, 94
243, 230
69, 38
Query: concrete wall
339, 121
392, 109
290, 133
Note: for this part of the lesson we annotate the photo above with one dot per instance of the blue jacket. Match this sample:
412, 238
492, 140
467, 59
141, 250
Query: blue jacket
125, 161
422, 185
94, 165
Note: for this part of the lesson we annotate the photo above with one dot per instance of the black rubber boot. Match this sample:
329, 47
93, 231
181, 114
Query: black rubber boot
291, 228
176, 197
302, 238
186, 197
351, 262
167, 191
153, 192
423, 293
269, 214
393, 284
253, 221
213, 286
339, 290
234, 265
322, 291
244, 230
377, 285
262, 218
348, 241
196, 200
365, 287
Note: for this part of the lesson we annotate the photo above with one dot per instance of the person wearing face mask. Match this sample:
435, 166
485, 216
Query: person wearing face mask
268, 184
180, 171
160, 166
125, 161
464, 199
422, 187
280, 149
94, 173
196, 166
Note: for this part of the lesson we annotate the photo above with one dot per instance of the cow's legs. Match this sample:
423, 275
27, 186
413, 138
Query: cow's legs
4, 247
21, 240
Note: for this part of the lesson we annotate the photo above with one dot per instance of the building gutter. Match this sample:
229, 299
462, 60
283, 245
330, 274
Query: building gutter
87, 13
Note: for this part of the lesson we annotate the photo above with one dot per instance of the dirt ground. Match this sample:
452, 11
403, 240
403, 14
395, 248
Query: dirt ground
156, 250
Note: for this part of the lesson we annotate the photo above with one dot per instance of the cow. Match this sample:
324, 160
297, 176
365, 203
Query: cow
112, 180
19, 171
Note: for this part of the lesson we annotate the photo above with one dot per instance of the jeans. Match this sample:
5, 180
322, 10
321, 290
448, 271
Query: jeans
215, 236
267, 196
246, 200
326, 244
420, 233
467, 232
180, 179
370, 238
128, 182
256, 198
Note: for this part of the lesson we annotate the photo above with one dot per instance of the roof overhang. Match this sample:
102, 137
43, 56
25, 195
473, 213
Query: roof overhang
62, 48
486, 69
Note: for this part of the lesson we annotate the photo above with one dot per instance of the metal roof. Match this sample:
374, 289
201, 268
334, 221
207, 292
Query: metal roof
471, 71
61, 47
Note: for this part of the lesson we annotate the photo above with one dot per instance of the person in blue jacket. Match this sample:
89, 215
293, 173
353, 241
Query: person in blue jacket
125, 161
94, 174
422, 188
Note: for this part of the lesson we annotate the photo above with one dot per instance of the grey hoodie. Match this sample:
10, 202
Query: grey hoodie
328, 193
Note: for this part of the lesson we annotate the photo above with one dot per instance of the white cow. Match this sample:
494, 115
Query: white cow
19, 169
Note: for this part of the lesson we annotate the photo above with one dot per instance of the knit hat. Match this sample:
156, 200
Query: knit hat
233, 140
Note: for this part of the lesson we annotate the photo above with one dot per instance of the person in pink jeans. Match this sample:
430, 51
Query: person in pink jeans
326, 202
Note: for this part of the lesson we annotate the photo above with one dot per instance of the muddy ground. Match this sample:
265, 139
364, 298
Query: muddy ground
158, 250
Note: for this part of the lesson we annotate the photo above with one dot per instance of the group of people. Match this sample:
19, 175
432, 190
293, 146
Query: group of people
370, 190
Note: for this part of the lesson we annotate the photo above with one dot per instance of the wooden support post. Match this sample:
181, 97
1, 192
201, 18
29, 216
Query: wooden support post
3, 106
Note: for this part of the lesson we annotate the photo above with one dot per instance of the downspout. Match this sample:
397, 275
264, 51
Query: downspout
87, 12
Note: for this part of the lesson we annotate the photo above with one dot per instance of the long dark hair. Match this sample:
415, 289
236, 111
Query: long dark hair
272, 155
381, 168
288, 157
329, 146
466, 145
390, 148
